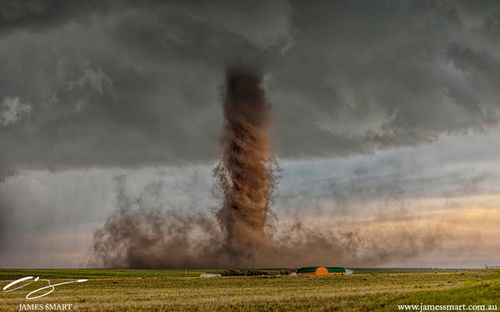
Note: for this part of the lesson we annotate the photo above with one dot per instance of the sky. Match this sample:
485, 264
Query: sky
385, 120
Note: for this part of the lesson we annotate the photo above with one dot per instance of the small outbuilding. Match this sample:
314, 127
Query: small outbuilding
209, 275
323, 271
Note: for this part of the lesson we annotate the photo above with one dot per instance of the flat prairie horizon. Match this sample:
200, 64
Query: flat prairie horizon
185, 290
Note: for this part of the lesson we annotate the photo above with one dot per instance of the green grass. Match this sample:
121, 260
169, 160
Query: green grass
181, 290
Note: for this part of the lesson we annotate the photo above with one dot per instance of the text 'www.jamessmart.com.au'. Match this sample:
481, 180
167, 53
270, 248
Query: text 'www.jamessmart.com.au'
447, 307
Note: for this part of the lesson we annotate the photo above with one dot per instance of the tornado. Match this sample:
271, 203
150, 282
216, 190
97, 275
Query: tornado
245, 174
243, 232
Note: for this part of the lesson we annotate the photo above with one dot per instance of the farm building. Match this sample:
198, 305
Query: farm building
321, 270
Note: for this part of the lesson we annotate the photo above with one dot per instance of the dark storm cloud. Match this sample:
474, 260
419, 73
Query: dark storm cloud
126, 83
374, 74
37, 15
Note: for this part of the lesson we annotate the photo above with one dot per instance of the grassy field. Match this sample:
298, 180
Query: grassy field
181, 290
